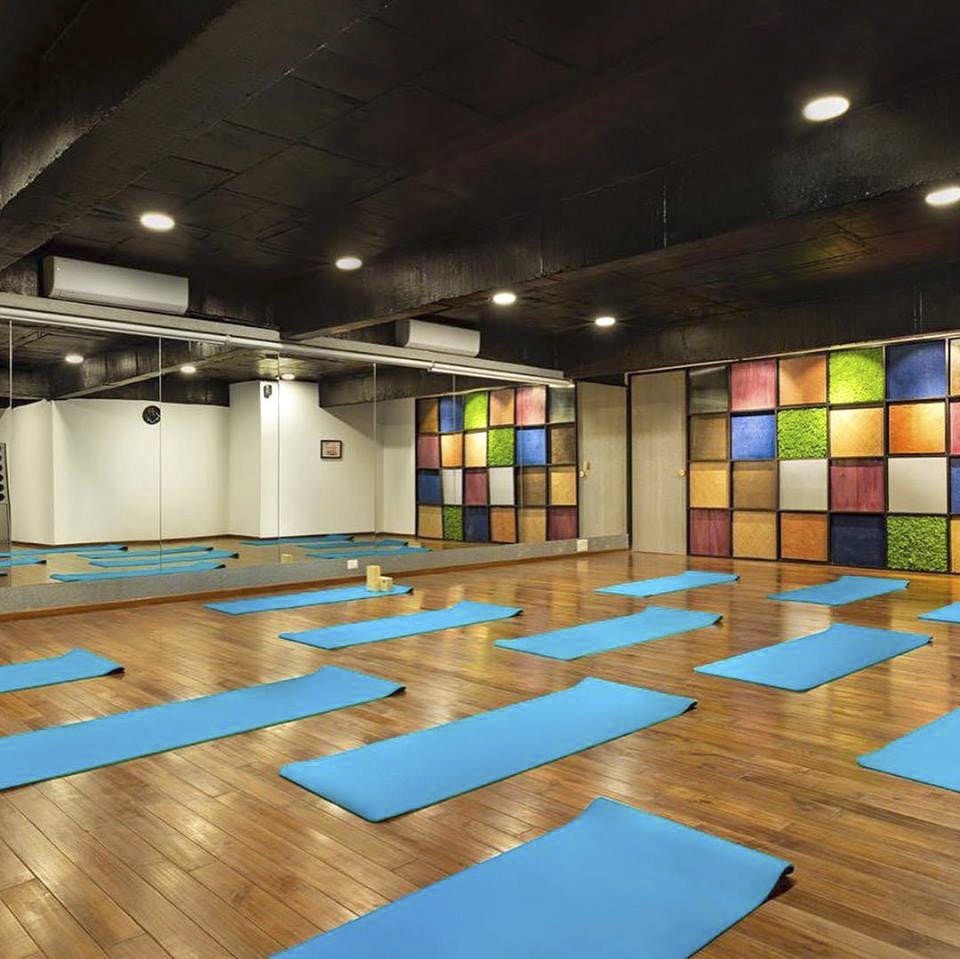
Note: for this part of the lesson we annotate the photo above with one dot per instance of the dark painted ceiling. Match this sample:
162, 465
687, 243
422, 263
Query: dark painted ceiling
420, 134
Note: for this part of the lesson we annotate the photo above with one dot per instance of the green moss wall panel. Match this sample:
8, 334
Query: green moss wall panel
917, 542
857, 376
453, 522
475, 411
500, 447
802, 433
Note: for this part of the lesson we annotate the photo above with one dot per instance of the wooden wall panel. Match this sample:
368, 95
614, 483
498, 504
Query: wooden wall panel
857, 432
803, 380
917, 427
753, 385
755, 535
709, 437
710, 532
755, 485
804, 536
857, 486
709, 485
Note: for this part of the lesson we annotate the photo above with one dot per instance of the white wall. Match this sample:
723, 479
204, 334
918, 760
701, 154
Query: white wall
396, 438
89, 470
28, 433
325, 496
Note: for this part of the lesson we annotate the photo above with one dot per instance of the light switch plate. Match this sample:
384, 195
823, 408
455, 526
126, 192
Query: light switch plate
353, 564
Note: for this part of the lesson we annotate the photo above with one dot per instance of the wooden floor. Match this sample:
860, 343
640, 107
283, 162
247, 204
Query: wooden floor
205, 852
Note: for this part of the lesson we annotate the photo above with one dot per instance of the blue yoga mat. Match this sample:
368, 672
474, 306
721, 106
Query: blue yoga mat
945, 614
614, 883
810, 661
165, 561
162, 551
928, 754
64, 750
22, 561
319, 597
359, 544
132, 573
654, 622
351, 553
408, 772
45, 550
463, 613
691, 579
77, 664
846, 589
292, 540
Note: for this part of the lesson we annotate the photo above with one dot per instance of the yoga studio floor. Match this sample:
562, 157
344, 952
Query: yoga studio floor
205, 852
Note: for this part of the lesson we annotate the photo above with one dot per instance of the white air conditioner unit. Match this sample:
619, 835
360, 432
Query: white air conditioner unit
422, 335
67, 279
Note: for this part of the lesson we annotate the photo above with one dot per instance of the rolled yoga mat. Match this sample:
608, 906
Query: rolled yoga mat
162, 551
77, 664
50, 550
294, 540
398, 775
615, 882
846, 589
691, 579
133, 573
320, 597
351, 553
63, 750
930, 754
654, 622
463, 613
134, 560
810, 661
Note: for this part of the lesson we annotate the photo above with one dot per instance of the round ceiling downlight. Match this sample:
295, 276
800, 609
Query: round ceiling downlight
157, 221
504, 298
944, 196
605, 320
349, 263
826, 108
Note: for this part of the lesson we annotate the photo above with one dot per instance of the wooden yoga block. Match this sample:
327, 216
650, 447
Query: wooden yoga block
373, 578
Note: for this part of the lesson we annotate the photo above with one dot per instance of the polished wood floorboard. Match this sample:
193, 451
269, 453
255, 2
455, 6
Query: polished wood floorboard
206, 852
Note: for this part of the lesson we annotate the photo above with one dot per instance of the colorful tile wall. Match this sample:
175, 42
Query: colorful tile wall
563, 405
916, 371
451, 449
753, 385
859, 540
709, 486
857, 376
755, 485
531, 405
803, 380
503, 525
753, 436
916, 427
709, 437
955, 486
917, 542
754, 535
502, 403
917, 484
708, 389
857, 432
856, 486
955, 427
497, 465
802, 433
803, 485
710, 532
955, 367
475, 448
475, 488
804, 536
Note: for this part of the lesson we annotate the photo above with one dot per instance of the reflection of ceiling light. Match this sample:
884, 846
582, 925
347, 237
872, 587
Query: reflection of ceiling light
945, 196
349, 263
188, 368
504, 298
826, 108
161, 222
605, 320
287, 376
74, 358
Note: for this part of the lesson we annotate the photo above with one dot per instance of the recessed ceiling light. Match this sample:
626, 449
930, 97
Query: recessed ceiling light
605, 320
504, 298
826, 108
349, 263
287, 376
154, 220
188, 368
74, 358
945, 196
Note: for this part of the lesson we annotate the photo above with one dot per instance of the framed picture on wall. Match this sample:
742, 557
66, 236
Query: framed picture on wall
331, 449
